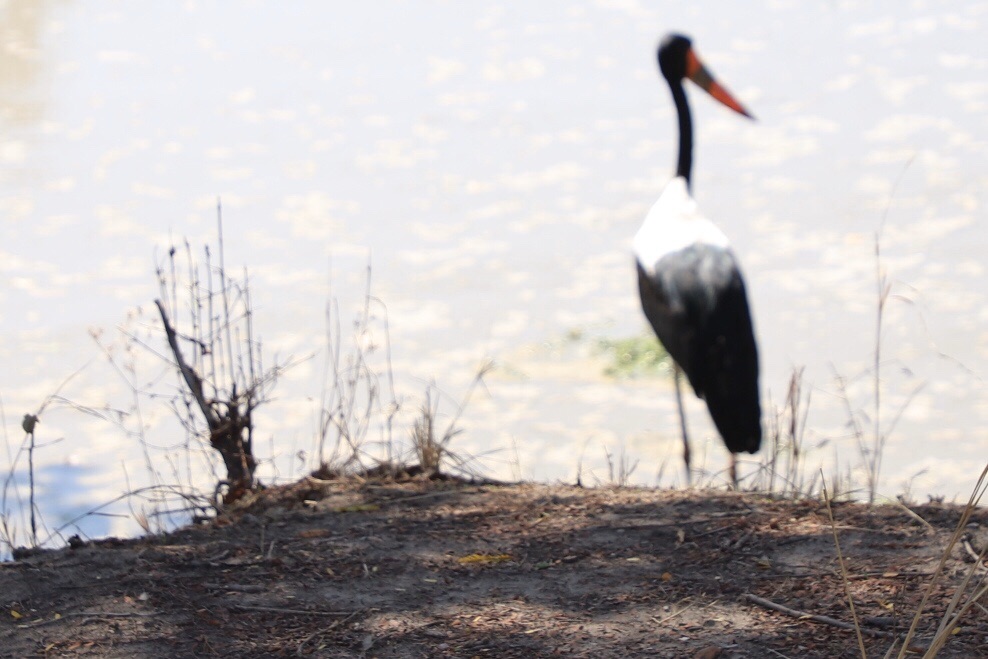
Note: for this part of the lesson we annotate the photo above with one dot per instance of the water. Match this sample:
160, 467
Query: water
492, 163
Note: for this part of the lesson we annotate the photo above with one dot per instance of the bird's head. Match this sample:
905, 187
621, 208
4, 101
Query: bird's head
678, 60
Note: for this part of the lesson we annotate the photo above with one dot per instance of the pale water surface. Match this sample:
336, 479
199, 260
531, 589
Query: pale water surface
492, 162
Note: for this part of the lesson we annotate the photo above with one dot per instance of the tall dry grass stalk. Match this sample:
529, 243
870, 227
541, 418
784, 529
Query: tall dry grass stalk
12, 504
873, 460
781, 469
358, 396
620, 468
845, 580
432, 446
355, 391
972, 589
871, 443
872, 456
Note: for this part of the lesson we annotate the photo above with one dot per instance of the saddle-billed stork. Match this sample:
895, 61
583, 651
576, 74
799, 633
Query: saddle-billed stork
690, 282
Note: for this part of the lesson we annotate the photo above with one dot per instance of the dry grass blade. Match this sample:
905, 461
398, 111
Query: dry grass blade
428, 448
843, 571
906, 509
950, 619
788, 427
945, 630
353, 394
29, 445
431, 448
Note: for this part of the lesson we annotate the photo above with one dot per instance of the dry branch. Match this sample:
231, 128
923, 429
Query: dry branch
192, 379
297, 612
803, 615
224, 419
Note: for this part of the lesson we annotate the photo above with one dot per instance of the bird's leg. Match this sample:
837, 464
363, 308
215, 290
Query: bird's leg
734, 472
677, 376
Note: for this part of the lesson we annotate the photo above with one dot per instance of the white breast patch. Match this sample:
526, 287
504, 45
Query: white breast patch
674, 223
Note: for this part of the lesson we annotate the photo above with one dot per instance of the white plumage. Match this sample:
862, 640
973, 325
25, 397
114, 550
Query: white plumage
674, 223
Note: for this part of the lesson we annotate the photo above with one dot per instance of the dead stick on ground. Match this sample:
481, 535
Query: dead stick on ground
672, 615
683, 522
298, 612
778, 654
427, 495
978, 557
89, 614
803, 615
683, 610
235, 587
851, 577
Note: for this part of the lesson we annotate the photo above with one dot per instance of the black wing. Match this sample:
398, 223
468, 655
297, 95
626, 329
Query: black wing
695, 301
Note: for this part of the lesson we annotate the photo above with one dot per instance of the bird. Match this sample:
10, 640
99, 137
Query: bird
690, 282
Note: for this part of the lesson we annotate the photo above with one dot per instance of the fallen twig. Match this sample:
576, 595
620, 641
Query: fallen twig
976, 555
427, 495
685, 522
778, 654
851, 577
88, 614
298, 612
803, 615
236, 587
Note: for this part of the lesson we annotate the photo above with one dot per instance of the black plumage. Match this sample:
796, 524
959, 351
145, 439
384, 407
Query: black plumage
697, 305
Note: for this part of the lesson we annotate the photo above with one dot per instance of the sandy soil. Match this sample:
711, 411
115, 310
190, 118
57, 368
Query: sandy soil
441, 569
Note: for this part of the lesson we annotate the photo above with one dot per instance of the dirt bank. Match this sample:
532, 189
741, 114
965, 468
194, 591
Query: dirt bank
427, 569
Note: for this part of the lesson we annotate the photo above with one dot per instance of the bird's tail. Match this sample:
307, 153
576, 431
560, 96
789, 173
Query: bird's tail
737, 414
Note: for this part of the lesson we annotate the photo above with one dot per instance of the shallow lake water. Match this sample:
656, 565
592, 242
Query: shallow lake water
490, 163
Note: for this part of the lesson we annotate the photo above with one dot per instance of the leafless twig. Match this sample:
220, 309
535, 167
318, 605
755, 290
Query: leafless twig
803, 615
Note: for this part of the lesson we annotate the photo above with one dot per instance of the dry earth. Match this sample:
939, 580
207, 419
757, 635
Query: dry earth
442, 569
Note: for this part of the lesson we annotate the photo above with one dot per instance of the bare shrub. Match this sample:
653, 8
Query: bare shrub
208, 322
431, 442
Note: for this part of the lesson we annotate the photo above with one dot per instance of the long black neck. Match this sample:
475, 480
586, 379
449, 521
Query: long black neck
685, 163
